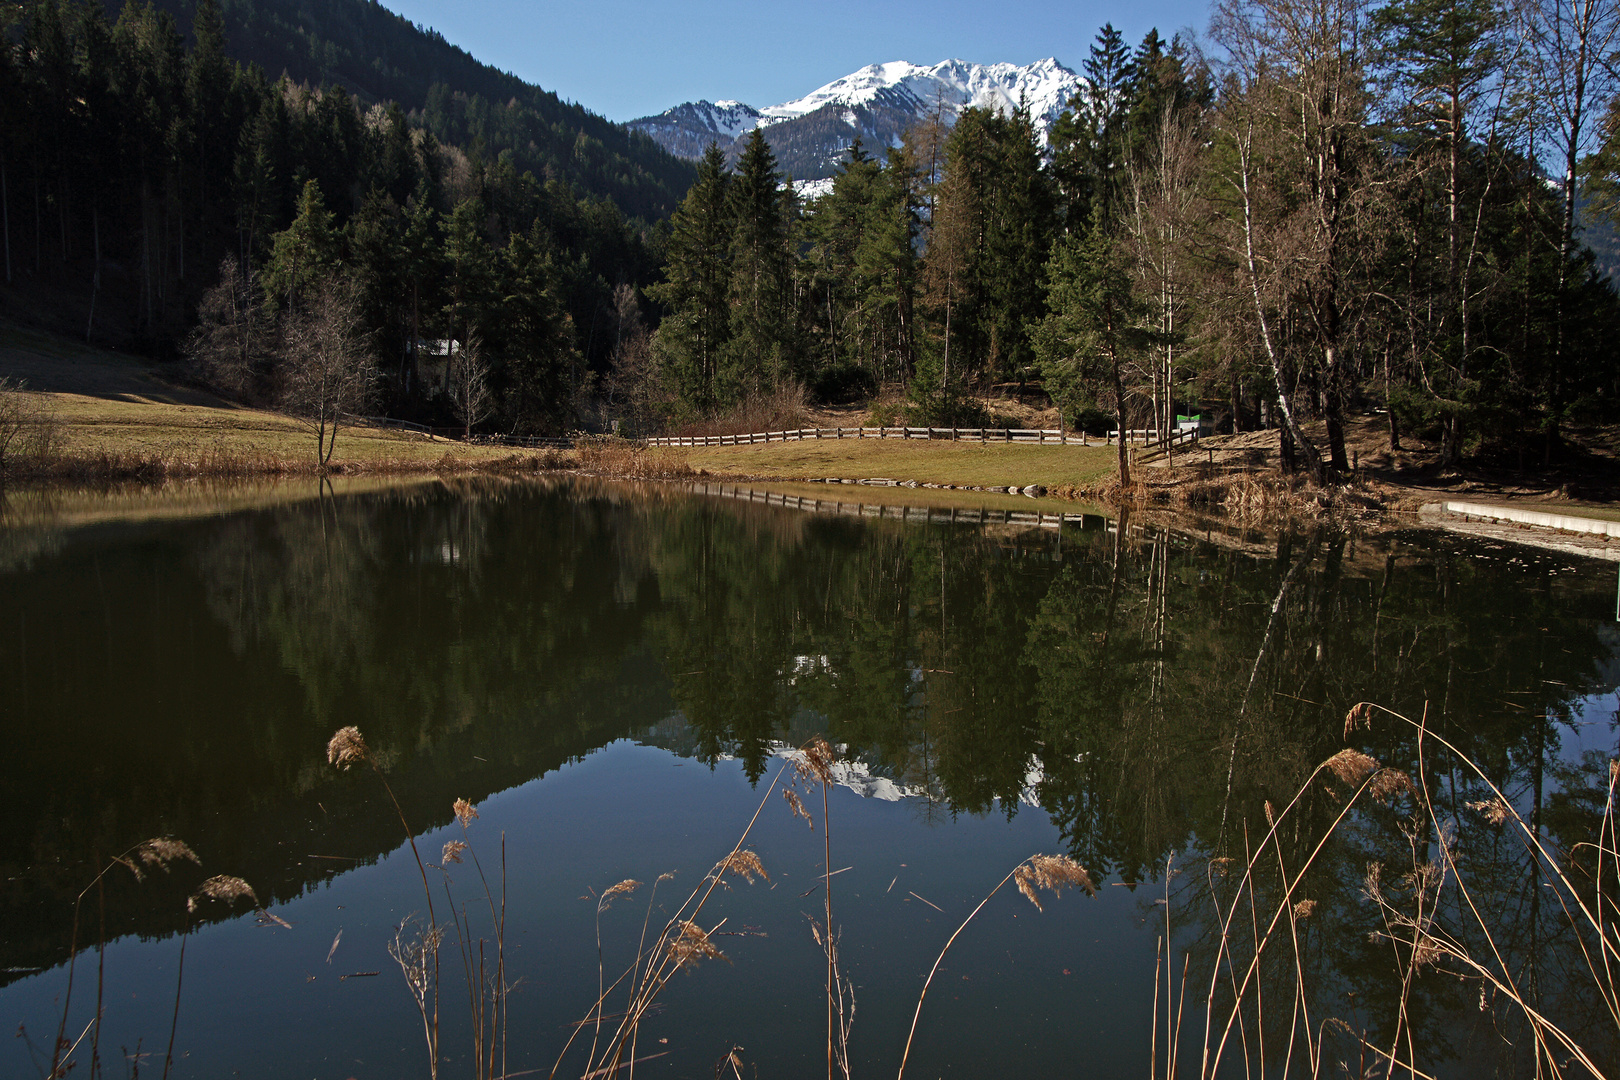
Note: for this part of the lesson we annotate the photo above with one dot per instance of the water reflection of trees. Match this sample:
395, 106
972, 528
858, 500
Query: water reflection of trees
1154, 693
1150, 692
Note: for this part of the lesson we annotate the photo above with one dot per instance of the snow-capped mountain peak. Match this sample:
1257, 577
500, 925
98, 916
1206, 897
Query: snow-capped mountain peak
1045, 86
876, 104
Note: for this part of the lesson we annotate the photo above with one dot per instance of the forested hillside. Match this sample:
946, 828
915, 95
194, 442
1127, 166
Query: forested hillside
134, 159
377, 55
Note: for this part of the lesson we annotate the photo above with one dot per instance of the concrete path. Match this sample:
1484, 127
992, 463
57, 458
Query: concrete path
1568, 533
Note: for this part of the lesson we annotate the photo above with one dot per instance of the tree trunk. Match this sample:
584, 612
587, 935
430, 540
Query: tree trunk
95, 277
5, 213
1389, 406
1284, 404
1333, 410
1119, 417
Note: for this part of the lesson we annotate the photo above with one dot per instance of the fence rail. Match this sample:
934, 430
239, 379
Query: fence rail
1145, 436
1154, 450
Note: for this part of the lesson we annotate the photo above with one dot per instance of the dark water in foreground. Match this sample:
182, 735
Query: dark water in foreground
612, 675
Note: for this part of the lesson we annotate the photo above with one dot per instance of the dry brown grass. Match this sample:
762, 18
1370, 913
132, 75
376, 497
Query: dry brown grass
116, 466
626, 460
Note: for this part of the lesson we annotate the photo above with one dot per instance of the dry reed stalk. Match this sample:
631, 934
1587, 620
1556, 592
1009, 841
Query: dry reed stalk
159, 852
1301, 1005
1431, 945
815, 764
625, 459
623, 888
1423, 942
1349, 766
1051, 871
346, 748
681, 942
487, 991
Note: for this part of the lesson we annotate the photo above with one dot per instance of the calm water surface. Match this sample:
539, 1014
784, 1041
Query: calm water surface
613, 674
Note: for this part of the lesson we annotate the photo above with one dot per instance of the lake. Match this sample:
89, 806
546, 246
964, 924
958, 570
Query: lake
616, 675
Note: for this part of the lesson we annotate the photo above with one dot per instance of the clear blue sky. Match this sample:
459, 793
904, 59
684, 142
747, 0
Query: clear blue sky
630, 58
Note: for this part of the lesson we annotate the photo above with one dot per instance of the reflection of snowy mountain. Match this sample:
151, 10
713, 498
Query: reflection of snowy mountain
876, 104
675, 734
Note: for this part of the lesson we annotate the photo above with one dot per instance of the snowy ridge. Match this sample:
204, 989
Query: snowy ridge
689, 128
1046, 86
810, 135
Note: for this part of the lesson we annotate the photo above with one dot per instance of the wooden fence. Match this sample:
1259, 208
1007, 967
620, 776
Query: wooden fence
1133, 436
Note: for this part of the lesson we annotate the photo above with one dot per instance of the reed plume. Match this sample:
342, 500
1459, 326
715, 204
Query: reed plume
691, 944
1052, 872
346, 748
222, 887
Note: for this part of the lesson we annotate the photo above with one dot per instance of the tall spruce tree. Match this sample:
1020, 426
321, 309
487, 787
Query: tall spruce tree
697, 286
302, 254
1441, 60
759, 351
1093, 329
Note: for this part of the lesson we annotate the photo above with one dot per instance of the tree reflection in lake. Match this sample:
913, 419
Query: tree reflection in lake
1148, 690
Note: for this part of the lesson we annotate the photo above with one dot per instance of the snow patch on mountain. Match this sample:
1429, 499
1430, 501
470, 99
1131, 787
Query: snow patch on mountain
687, 129
951, 85
812, 135
811, 190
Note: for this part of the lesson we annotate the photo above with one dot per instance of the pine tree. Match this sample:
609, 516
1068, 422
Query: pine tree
760, 347
302, 254
375, 253
994, 219
421, 263
470, 281
1441, 58
696, 286
535, 336
1021, 221
1090, 139
1093, 330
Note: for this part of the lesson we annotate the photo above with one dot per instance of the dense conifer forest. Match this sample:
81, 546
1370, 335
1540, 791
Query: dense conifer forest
1324, 210
135, 158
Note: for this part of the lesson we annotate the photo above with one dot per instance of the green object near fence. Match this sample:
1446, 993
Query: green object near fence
1188, 419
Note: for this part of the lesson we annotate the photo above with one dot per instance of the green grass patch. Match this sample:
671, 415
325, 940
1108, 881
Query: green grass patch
926, 461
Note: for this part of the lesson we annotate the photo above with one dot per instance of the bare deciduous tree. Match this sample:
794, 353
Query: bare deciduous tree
1572, 57
17, 411
231, 344
1297, 117
468, 375
632, 385
327, 368
1163, 196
